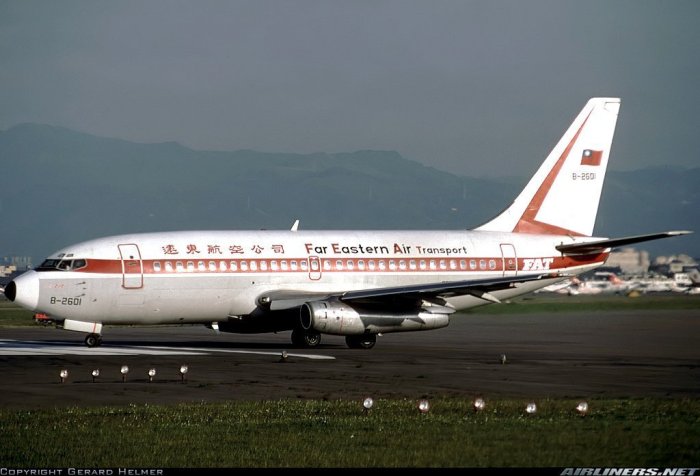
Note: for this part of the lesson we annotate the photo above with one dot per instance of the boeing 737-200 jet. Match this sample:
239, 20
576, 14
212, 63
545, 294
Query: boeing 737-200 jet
355, 284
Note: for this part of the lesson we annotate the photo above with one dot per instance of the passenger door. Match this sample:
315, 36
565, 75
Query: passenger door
132, 266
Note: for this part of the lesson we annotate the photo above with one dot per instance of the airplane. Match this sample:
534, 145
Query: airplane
694, 287
356, 284
603, 282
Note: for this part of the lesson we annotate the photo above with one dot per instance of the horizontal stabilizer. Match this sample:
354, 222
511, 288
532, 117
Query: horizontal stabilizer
602, 245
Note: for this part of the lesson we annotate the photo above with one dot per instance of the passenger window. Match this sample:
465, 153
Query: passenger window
222, 266
201, 266
433, 264
234, 266
212, 266
180, 268
156, 266
422, 264
244, 266
190, 266
293, 265
443, 264
463, 264
412, 264
253, 265
273, 265
453, 264
382, 265
305, 265
327, 264
339, 264
284, 265
371, 265
492, 264
482, 264
472, 263
402, 265
263, 265
351, 264
361, 264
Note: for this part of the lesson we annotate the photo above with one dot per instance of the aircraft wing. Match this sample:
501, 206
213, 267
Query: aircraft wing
476, 287
602, 245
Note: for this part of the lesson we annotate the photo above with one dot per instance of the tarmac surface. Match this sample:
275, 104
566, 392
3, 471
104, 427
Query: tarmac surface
547, 355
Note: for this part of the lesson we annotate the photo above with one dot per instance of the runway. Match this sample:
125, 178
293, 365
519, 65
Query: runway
575, 355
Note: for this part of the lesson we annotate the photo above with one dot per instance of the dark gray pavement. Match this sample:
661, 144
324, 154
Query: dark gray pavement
576, 355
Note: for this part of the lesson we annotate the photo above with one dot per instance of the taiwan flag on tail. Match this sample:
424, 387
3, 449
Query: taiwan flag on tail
591, 157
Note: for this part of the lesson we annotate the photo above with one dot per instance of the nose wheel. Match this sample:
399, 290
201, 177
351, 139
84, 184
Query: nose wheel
93, 340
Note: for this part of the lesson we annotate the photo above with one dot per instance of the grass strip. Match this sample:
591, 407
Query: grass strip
295, 433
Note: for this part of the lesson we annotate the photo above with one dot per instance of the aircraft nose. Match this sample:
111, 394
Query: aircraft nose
24, 290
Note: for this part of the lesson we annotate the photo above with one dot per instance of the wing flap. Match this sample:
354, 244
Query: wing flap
443, 289
481, 288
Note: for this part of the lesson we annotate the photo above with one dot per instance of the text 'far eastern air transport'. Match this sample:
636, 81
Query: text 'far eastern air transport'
355, 284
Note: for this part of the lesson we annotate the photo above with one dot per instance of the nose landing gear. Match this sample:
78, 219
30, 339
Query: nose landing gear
93, 340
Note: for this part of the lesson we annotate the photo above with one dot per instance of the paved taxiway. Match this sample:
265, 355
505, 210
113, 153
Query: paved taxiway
613, 354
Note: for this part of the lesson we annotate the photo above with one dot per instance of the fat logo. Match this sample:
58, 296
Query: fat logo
537, 264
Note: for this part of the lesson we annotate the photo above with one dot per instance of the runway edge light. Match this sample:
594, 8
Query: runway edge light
424, 406
582, 408
124, 371
184, 368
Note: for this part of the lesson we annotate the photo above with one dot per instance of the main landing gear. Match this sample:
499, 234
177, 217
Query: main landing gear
93, 340
306, 338
364, 341
310, 339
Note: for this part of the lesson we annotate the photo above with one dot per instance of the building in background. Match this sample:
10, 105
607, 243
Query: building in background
629, 261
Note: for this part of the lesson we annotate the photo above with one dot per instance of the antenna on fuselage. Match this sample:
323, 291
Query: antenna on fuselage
295, 226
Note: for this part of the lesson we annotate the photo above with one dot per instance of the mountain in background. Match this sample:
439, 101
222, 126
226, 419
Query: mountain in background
60, 187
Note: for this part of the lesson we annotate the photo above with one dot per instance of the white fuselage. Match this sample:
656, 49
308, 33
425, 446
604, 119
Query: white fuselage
203, 277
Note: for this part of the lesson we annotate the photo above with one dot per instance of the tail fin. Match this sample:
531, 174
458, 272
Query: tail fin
562, 197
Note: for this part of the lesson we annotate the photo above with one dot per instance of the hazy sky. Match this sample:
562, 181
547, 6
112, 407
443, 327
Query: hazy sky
472, 87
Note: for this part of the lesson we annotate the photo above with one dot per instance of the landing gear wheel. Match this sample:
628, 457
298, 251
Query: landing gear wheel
302, 338
365, 341
93, 340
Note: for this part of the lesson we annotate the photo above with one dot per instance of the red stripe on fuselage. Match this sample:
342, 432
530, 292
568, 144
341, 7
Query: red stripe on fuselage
346, 265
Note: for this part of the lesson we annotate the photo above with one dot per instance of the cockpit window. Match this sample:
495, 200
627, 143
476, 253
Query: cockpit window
49, 264
62, 264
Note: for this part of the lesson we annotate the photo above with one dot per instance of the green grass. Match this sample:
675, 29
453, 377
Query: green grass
293, 433
561, 303
12, 315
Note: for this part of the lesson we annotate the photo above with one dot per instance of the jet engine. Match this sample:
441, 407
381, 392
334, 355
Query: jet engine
340, 318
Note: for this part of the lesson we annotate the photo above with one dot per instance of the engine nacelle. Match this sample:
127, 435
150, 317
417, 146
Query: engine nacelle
339, 318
